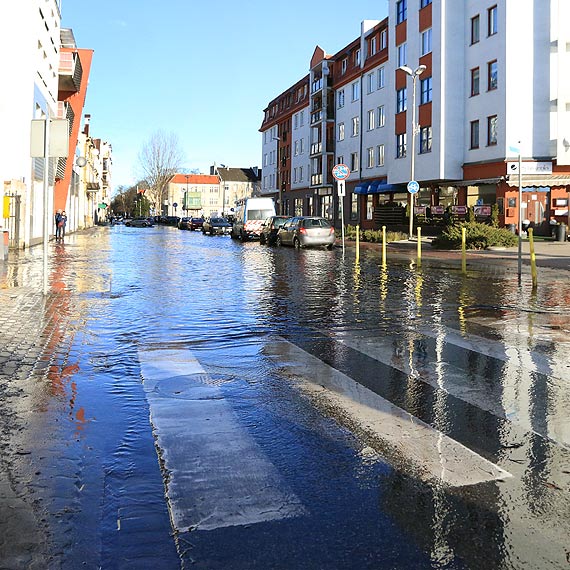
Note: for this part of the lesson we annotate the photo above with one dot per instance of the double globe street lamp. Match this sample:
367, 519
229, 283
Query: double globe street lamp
415, 129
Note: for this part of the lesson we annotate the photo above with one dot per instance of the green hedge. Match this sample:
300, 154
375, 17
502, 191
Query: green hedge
372, 236
477, 236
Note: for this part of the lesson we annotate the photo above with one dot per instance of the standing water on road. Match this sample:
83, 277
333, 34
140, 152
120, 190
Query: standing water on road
188, 400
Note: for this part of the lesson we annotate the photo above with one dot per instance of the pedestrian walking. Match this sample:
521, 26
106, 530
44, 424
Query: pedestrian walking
61, 220
57, 219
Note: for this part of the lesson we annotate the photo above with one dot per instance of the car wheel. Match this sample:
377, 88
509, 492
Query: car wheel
242, 236
144, 224
262, 239
329, 246
297, 243
278, 241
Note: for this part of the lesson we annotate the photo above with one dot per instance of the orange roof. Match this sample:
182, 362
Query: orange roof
195, 179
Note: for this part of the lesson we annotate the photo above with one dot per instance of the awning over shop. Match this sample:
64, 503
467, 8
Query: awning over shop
539, 181
477, 182
379, 187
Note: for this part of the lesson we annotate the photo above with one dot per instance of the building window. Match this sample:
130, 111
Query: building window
341, 131
475, 29
401, 100
354, 207
402, 55
296, 148
492, 123
425, 140
492, 75
371, 119
474, 81
301, 118
295, 175
380, 155
356, 91
369, 207
373, 46
424, 3
340, 159
381, 78
383, 40
355, 126
370, 84
357, 57
301, 146
426, 90
401, 11
426, 41
340, 99
474, 135
492, 23
343, 65
354, 164
401, 145
381, 116
295, 121
370, 154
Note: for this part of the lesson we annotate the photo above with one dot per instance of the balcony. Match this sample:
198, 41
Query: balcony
316, 117
70, 72
316, 179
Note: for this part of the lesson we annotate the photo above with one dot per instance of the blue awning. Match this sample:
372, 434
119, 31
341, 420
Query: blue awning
379, 187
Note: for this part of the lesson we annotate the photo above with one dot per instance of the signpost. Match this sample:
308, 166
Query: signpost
341, 172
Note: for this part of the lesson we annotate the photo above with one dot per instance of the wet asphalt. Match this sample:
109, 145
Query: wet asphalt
91, 477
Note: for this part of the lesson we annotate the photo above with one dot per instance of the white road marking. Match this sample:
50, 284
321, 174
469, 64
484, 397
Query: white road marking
217, 474
433, 454
501, 398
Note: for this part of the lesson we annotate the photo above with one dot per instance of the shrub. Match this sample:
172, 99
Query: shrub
372, 236
477, 236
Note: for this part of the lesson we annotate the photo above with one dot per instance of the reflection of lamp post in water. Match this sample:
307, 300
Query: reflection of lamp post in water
413, 74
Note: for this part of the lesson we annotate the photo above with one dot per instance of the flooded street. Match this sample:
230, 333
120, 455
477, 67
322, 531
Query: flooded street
188, 401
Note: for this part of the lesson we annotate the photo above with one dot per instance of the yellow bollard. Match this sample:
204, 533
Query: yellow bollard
463, 251
357, 243
383, 246
419, 246
532, 258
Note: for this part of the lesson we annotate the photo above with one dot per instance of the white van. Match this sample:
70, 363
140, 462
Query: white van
250, 213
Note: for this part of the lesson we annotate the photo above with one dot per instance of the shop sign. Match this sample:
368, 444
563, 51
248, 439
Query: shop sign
483, 211
459, 210
530, 167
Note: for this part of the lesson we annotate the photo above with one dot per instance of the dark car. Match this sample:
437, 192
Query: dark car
270, 227
169, 220
195, 223
306, 231
216, 226
140, 223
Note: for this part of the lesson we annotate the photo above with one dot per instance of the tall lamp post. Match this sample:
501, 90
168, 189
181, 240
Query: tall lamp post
185, 208
279, 189
413, 74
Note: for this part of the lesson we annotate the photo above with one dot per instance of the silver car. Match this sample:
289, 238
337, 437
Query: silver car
306, 231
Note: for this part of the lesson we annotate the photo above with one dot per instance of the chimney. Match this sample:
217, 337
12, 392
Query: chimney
86, 127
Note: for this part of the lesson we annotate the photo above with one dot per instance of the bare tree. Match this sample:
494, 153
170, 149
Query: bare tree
160, 158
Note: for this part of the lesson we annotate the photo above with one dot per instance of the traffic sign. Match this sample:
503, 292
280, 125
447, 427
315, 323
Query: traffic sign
175, 205
341, 188
413, 187
341, 171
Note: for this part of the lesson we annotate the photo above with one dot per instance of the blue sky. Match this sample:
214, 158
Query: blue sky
203, 70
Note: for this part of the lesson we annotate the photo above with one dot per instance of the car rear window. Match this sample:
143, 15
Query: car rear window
316, 223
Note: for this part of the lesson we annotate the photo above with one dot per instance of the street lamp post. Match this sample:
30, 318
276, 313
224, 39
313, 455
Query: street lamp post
413, 74
185, 205
277, 181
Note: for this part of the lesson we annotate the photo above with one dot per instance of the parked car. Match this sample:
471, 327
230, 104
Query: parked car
306, 231
195, 223
249, 216
183, 223
270, 227
169, 220
140, 223
216, 226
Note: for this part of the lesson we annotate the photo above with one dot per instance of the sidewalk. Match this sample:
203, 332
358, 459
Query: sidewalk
548, 254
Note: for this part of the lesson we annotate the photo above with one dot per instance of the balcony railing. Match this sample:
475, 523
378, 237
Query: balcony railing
316, 179
316, 148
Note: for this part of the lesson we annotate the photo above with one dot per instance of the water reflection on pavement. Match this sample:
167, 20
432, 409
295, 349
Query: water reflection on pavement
372, 398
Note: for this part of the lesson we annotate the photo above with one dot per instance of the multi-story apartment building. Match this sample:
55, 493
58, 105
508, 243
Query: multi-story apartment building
47, 80
214, 193
484, 92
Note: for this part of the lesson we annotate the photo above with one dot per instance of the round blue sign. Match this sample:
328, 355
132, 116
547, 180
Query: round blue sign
413, 187
341, 171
